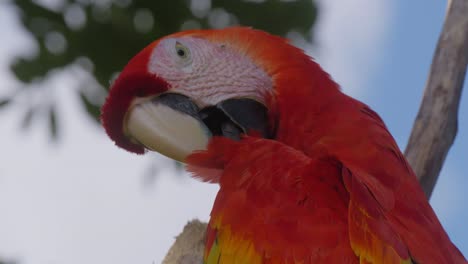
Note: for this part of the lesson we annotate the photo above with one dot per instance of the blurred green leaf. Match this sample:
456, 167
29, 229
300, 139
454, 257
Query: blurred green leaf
106, 34
8, 262
53, 123
92, 109
4, 102
28, 117
275, 16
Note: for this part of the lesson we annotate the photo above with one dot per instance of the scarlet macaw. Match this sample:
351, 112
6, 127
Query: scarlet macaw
307, 174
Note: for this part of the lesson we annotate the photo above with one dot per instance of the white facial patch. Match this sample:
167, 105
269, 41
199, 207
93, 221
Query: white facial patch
208, 72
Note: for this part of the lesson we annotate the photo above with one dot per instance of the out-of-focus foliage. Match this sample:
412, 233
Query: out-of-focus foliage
98, 37
7, 262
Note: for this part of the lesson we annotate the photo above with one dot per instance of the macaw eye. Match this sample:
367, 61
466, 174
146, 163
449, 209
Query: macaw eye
182, 51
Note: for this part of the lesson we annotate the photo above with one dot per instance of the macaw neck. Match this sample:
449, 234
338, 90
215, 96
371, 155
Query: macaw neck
309, 104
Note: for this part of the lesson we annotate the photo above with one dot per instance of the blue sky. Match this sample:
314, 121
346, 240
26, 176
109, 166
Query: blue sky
398, 88
83, 200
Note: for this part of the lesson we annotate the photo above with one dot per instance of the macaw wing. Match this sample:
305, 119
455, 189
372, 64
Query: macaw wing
275, 205
372, 236
390, 219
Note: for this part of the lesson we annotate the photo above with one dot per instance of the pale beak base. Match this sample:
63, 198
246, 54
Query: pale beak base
163, 129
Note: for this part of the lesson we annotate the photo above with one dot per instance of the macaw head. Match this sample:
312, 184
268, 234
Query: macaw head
185, 88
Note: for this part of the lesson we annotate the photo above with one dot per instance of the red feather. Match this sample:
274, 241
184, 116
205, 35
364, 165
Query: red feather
291, 207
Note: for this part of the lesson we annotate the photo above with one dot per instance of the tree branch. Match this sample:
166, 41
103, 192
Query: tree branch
435, 126
433, 132
189, 245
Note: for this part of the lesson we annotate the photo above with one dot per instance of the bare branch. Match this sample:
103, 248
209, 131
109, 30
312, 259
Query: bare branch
189, 245
436, 123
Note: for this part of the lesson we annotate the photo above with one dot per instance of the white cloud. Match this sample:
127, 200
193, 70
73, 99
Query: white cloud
350, 35
83, 201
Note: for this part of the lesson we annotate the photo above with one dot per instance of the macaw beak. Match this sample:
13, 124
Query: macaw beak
173, 125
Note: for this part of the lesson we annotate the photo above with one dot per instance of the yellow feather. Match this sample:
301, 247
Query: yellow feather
229, 249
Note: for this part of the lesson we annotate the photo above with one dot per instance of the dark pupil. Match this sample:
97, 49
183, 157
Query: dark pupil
181, 52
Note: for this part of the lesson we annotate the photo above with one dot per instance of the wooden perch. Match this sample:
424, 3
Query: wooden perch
436, 123
433, 132
188, 246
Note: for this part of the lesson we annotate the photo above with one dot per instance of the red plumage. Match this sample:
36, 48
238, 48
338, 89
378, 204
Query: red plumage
331, 186
134, 81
